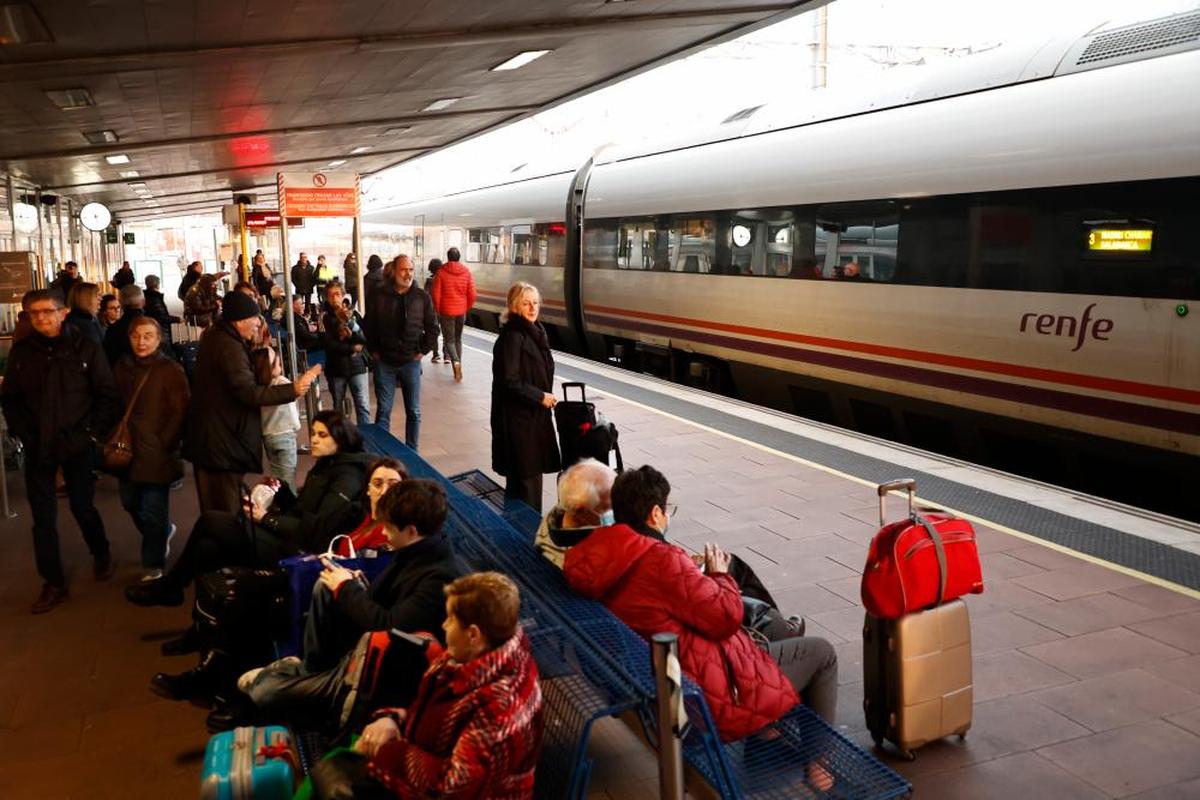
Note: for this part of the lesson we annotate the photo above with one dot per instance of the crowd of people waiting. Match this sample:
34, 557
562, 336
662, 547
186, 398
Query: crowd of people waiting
458, 710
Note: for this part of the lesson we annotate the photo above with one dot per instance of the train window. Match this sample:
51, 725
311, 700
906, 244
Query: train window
485, 245
642, 244
760, 242
525, 247
858, 241
692, 246
600, 244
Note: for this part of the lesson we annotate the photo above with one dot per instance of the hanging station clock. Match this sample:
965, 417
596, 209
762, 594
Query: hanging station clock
95, 216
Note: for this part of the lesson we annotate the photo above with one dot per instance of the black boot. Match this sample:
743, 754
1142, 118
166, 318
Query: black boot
198, 684
231, 710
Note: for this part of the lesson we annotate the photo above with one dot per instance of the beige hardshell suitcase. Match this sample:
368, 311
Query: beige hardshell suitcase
917, 676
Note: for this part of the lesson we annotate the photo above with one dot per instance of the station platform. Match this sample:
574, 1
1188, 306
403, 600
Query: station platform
1086, 640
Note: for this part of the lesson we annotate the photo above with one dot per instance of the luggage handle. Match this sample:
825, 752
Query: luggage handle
885, 489
941, 555
578, 384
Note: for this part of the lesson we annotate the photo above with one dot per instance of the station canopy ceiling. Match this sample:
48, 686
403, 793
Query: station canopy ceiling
208, 98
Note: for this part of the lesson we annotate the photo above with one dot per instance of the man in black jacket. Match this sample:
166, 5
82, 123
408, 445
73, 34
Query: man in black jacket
65, 279
123, 277
407, 596
304, 278
224, 429
59, 398
401, 328
156, 308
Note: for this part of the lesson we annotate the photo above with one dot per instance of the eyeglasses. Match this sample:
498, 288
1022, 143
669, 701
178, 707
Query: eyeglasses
671, 509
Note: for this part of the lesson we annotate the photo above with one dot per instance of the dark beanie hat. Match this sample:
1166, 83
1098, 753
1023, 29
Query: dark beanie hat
239, 306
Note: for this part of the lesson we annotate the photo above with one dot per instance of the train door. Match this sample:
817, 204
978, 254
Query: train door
419, 243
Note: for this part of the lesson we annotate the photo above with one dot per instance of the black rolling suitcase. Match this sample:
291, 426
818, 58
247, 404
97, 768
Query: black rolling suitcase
583, 432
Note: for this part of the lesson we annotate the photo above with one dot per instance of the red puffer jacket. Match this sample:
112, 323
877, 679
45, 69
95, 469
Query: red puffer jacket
655, 587
453, 290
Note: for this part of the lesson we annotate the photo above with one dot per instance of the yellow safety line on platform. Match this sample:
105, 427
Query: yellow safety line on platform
1154, 579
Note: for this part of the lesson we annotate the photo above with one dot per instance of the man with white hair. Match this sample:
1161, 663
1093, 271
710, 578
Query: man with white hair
584, 504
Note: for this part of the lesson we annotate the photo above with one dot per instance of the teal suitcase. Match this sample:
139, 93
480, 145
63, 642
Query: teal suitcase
244, 763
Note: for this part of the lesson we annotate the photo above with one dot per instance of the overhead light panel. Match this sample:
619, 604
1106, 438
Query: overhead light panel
138, 186
130, 173
362, 148
70, 99
396, 131
520, 60
119, 158
440, 103
21, 24
101, 137
337, 163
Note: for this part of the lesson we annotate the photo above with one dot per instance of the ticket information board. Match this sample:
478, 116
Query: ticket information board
318, 194
16, 275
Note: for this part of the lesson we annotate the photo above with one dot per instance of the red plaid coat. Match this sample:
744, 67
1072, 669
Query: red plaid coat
473, 731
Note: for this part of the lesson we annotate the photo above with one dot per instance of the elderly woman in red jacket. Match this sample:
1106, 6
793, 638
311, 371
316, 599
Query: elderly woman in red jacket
475, 727
655, 586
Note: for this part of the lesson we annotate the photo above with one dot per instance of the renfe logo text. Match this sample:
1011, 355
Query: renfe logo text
1067, 325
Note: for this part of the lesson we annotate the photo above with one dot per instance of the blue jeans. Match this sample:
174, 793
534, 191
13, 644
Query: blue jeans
358, 390
149, 506
281, 457
409, 377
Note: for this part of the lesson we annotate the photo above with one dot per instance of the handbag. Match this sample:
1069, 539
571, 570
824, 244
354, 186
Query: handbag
302, 572
117, 453
919, 562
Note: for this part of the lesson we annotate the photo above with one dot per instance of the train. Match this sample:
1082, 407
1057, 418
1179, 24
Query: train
1003, 274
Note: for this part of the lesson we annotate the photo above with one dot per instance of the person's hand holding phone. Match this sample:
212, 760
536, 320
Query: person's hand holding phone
716, 560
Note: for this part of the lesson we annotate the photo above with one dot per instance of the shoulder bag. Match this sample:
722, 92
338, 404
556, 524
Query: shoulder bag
117, 453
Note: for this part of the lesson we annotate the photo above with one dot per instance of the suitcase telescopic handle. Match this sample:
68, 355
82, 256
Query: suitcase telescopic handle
908, 484
578, 385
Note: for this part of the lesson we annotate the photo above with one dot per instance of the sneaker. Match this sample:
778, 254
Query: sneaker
170, 535
104, 567
436, 360
177, 485
796, 624
50, 597
150, 575
247, 678
457, 372
153, 593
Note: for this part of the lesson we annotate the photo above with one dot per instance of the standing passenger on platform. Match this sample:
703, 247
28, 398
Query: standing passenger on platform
524, 445
123, 277
304, 278
201, 306
400, 329
156, 307
59, 398
434, 265
373, 279
84, 301
350, 278
280, 423
224, 432
453, 296
66, 278
116, 336
156, 429
345, 359
194, 271
110, 311
261, 275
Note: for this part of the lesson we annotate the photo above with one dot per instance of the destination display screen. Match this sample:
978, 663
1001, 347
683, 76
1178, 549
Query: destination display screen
1120, 240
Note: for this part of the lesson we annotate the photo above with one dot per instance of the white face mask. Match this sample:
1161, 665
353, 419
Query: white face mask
608, 518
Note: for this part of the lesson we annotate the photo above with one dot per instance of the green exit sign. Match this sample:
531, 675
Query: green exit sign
110, 236
129, 238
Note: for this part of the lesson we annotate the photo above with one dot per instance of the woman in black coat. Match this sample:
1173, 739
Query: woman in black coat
524, 445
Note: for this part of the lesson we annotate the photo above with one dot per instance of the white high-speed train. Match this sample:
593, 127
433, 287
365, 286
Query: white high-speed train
993, 272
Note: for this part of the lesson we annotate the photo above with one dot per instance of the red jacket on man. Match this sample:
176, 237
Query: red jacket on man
655, 587
474, 730
453, 290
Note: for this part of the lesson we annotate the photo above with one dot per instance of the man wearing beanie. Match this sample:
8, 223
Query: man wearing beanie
224, 432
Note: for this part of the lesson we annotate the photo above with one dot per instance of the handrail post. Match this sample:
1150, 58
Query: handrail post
668, 679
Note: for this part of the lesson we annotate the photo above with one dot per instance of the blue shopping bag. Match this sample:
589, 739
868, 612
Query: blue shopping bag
302, 574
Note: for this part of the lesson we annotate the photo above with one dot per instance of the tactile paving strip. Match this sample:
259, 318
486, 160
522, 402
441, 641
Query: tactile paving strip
1111, 545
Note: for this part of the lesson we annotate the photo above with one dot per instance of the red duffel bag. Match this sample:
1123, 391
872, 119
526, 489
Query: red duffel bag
919, 562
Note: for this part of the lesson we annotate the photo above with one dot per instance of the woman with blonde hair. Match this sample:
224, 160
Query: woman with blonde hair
524, 446
84, 302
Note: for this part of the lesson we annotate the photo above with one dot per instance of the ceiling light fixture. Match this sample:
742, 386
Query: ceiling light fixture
101, 137
395, 131
138, 185
337, 163
362, 148
441, 103
130, 173
119, 158
21, 24
520, 60
69, 99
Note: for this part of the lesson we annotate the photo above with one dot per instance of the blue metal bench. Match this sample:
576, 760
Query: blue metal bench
495, 535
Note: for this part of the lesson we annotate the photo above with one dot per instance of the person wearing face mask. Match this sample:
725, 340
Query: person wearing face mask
655, 586
584, 504
400, 328
158, 390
